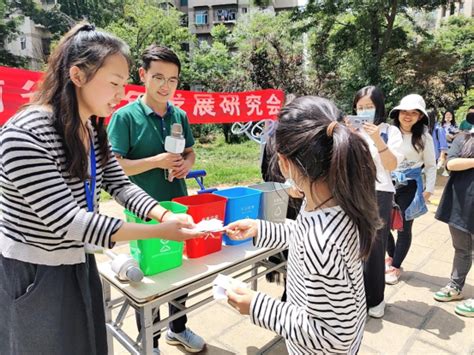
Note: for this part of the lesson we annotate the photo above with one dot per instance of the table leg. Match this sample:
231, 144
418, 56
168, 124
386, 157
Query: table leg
146, 319
108, 314
254, 273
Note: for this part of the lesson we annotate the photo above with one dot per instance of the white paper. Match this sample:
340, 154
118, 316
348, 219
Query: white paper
222, 283
210, 225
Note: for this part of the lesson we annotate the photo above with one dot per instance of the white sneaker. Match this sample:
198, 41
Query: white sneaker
392, 276
156, 351
378, 311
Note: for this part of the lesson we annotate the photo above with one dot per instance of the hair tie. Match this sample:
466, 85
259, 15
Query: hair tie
330, 128
87, 27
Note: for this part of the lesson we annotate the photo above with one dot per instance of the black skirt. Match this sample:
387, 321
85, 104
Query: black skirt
51, 309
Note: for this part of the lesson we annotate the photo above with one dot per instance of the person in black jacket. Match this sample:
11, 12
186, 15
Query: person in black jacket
455, 208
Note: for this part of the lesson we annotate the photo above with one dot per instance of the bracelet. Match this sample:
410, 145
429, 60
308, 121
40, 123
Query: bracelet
383, 150
163, 215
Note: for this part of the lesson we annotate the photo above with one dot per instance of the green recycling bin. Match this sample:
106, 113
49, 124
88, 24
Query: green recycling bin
157, 255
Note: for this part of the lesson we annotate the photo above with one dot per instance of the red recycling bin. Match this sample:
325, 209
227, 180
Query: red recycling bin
204, 206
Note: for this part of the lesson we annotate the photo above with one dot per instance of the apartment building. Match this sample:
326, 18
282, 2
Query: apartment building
33, 41
202, 15
453, 8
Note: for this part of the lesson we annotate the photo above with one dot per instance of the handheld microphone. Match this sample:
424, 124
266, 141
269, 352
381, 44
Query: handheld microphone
174, 143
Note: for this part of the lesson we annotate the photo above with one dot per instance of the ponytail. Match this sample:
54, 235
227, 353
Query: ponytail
351, 177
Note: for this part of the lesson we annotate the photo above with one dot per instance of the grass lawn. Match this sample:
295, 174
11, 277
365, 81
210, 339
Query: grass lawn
225, 164
228, 164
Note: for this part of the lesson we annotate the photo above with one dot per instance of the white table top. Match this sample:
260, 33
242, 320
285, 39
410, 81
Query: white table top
192, 270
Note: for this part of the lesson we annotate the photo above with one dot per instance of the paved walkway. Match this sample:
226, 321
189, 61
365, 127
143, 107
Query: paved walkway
414, 322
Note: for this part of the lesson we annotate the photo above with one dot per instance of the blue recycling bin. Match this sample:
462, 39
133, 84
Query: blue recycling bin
242, 202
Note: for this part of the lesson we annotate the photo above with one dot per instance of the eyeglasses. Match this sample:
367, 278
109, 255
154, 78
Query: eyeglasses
160, 80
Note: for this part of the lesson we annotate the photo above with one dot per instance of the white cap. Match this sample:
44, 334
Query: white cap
410, 102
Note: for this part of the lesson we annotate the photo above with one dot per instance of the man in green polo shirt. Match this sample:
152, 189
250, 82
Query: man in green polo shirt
137, 134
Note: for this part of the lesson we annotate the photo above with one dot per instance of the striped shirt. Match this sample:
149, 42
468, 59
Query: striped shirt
326, 309
43, 217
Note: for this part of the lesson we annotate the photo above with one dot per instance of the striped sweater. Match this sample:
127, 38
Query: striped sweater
43, 217
326, 311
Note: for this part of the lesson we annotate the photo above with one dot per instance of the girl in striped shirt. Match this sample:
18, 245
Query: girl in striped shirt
333, 168
54, 160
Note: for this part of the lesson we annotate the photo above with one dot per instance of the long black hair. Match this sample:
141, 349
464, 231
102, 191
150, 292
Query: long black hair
341, 159
453, 120
87, 48
417, 130
377, 97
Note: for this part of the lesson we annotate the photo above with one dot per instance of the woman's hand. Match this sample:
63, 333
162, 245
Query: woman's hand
178, 230
243, 229
372, 130
240, 299
181, 217
426, 196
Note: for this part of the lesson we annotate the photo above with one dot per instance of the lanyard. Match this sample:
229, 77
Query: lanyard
89, 185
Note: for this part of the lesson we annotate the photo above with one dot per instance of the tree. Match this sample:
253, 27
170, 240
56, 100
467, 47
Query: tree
215, 67
352, 40
271, 50
144, 23
98, 12
8, 32
456, 37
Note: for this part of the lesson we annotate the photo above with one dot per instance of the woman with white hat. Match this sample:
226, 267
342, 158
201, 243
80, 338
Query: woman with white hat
411, 118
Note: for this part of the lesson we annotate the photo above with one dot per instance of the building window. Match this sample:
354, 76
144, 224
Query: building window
225, 15
452, 8
200, 17
183, 3
46, 44
23, 43
244, 10
184, 20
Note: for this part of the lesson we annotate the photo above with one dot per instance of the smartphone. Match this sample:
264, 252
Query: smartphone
358, 121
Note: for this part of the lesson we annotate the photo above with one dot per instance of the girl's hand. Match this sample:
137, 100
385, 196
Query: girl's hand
372, 130
178, 230
243, 229
426, 196
240, 299
181, 217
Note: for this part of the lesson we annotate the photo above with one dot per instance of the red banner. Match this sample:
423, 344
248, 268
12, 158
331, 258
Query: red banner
17, 86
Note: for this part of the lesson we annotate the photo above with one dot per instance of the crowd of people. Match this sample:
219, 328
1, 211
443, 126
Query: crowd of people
56, 156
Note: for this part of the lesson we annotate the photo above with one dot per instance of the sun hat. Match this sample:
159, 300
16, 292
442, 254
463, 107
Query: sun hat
411, 102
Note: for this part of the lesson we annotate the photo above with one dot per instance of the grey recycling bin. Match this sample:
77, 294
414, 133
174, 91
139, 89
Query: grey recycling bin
273, 201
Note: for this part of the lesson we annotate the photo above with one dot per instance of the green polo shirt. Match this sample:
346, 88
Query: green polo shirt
465, 126
136, 132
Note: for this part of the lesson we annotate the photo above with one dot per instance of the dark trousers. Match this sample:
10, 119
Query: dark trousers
51, 310
399, 250
176, 326
374, 266
463, 243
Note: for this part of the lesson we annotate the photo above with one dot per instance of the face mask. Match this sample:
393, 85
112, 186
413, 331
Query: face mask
370, 113
290, 183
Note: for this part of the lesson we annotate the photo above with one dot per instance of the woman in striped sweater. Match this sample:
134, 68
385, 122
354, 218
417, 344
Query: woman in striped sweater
54, 160
333, 168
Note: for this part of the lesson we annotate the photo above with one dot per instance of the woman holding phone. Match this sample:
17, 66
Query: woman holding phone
384, 142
